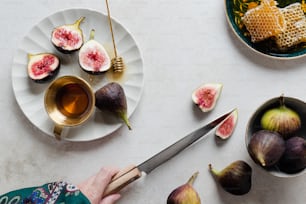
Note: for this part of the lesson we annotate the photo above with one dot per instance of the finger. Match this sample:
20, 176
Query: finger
94, 186
103, 178
111, 199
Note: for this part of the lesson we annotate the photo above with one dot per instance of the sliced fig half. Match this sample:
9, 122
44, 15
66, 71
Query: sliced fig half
226, 128
68, 38
43, 66
206, 96
93, 57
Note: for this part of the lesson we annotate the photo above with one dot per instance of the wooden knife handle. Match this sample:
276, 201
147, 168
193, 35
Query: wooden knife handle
122, 179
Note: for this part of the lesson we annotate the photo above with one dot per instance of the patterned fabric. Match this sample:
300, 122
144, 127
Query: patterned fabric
50, 193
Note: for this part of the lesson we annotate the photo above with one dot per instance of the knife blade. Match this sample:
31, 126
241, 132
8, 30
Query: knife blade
131, 173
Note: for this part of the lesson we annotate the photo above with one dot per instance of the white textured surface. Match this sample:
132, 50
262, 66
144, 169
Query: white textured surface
184, 44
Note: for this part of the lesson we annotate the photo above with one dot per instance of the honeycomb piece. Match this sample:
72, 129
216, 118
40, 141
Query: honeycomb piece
264, 21
295, 31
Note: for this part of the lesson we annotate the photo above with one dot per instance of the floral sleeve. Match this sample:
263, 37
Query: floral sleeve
50, 193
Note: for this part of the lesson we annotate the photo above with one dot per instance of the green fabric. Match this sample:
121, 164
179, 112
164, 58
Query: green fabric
50, 193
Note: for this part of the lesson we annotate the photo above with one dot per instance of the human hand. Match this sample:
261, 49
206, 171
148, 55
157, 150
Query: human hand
94, 187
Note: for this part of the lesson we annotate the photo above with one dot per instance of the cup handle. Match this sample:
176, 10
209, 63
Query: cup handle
58, 131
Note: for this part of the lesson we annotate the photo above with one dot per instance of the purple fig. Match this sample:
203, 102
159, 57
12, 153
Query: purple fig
266, 147
294, 157
236, 178
111, 97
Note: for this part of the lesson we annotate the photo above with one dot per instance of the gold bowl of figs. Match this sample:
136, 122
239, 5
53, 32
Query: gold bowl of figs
276, 136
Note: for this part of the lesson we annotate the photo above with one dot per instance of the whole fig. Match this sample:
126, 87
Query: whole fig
294, 157
236, 178
185, 194
281, 119
111, 97
266, 147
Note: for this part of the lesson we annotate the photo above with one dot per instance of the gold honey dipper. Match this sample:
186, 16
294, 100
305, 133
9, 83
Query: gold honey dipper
117, 62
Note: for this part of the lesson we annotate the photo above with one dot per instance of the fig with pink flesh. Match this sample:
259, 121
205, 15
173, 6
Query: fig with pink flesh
93, 58
206, 96
226, 128
68, 38
43, 67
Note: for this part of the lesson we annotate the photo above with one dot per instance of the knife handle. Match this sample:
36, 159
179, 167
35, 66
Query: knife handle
122, 179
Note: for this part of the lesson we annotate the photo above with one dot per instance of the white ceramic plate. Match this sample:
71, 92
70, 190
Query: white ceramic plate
30, 95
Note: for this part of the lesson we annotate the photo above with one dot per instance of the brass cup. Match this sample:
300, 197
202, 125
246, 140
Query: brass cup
69, 101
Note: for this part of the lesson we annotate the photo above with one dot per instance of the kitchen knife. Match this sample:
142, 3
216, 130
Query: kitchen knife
131, 173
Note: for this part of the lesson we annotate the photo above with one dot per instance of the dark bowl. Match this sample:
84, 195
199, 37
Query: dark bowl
254, 126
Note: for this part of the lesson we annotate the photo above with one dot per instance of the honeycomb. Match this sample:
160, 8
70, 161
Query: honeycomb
264, 21
295, 31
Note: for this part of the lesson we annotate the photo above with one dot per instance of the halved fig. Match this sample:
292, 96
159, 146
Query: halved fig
43, 66
68, 38
226, 128
206, 96
93, 57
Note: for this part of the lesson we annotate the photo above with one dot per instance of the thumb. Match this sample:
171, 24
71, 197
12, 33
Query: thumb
110, 199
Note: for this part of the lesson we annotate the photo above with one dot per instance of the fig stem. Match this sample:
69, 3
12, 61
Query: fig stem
212, 170
78, 22
193, 178
209, 166
282, 100
126, 121
92, 34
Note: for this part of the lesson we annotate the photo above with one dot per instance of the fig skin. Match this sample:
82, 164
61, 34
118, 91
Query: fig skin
185, 194
294, 157
236, 178
111, 97
206, 96
43, 67
70, 37
266, 147
281, 119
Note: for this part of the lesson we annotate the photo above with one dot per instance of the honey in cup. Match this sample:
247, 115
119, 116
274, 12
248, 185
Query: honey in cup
72, 100
69, 101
